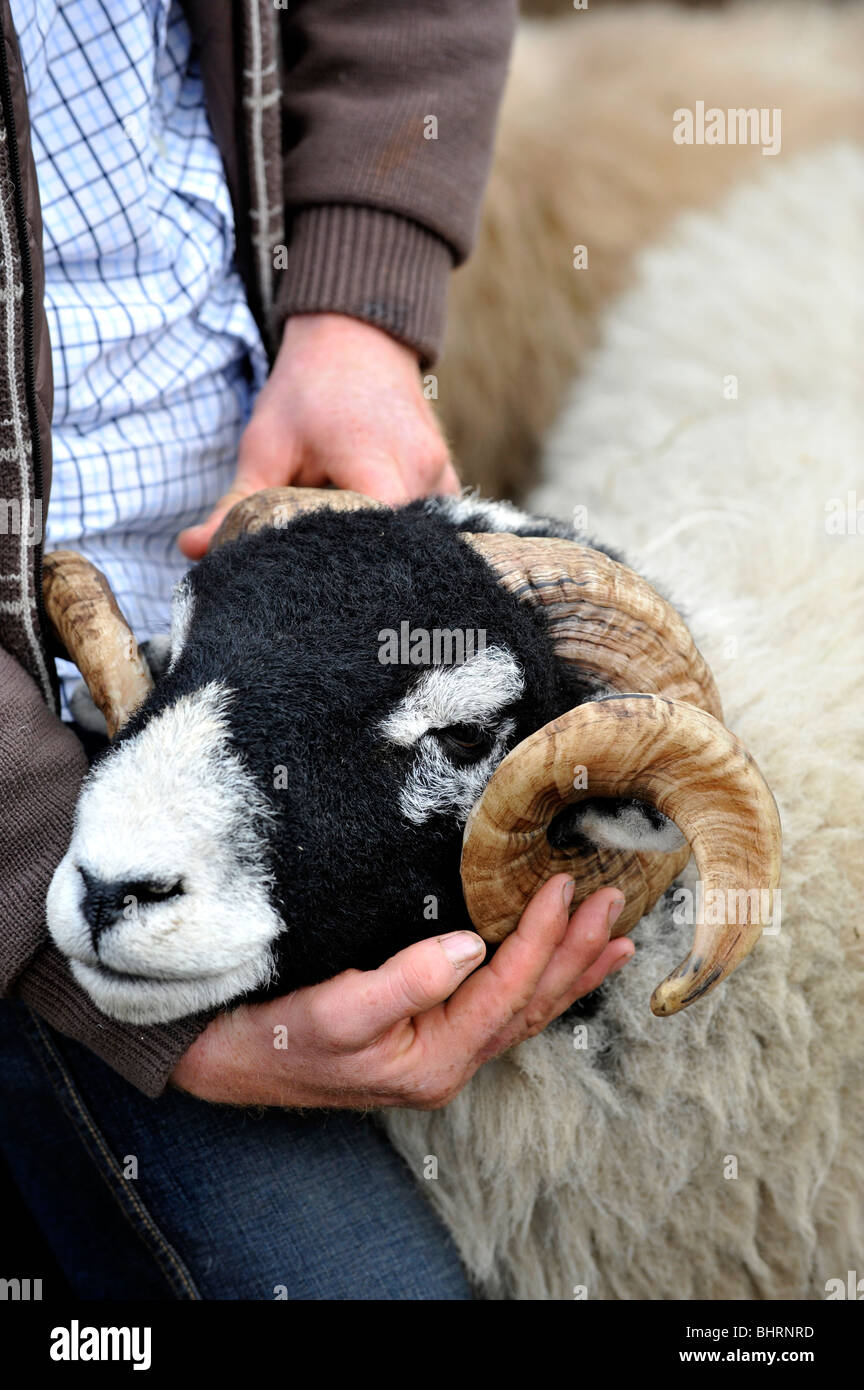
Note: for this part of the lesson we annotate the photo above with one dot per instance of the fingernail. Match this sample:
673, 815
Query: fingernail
461, 947
569, 890
614, 913
619, 965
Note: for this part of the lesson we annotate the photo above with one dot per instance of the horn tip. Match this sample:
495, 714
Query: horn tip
684, 986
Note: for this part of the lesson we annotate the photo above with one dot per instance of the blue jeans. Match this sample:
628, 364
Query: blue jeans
179, 1199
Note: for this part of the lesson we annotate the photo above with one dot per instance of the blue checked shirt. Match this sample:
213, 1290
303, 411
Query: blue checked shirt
156, 355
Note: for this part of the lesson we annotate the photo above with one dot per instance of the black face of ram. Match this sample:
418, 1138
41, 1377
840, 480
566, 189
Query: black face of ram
290, 800
377, 674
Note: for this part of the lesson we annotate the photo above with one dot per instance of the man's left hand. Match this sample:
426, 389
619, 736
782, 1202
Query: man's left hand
343, 405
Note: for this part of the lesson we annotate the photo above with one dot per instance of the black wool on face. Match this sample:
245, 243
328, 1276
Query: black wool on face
291, 620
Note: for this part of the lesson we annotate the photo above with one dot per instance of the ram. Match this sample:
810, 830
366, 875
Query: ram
289, 801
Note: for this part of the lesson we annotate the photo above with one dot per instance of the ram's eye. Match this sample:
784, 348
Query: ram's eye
467, 742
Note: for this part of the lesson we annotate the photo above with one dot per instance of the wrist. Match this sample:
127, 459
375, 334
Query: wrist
386, 269
235, 1061
205, 1068
345, 332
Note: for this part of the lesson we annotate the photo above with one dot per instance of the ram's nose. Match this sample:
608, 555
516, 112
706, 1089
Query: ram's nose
106, 901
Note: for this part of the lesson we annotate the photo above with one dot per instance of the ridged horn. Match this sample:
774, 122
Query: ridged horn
676, 757
611, 624
87, 622
276, 506
603, 617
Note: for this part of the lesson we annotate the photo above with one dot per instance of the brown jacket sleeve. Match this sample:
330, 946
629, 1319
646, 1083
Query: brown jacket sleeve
388, 119
41, 767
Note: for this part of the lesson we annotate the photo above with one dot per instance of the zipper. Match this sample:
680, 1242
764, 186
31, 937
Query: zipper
29, 320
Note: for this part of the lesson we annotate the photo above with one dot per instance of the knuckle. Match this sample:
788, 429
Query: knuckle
432, 461
254, 435
433, 1098
520, 1000
428, 1093
536, 1016
438, 463
408, 986
435, 1103
492, 1026
325, 1014
494, 1047
260, 442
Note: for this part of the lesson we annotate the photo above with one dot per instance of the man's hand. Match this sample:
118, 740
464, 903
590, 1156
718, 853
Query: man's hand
343, 405
413, 1032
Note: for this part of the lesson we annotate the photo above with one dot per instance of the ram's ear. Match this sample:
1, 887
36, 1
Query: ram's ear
156, 652
612, 823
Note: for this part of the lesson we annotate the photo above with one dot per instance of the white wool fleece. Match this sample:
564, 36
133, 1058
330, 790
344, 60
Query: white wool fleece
715, 1154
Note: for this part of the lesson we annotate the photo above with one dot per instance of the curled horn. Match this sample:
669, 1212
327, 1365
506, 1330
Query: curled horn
676, 757
87, 622
665, 745
603, 617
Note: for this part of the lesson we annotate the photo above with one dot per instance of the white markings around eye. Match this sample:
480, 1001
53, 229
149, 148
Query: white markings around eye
436, 784
473, 693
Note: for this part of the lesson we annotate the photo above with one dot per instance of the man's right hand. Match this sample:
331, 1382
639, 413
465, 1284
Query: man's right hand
413, 1032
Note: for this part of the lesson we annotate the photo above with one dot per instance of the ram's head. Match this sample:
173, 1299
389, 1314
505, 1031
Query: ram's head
349, 691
